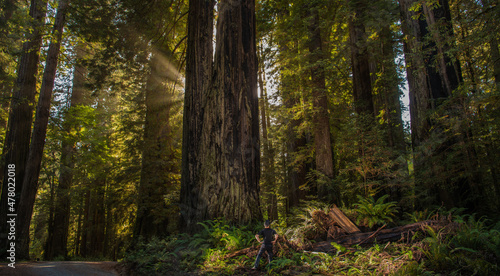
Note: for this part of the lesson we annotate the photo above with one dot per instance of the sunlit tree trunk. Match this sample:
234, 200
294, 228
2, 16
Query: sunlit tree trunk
17, 140
157, 157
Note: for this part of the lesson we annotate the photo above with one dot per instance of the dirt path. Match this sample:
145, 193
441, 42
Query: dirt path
60, 269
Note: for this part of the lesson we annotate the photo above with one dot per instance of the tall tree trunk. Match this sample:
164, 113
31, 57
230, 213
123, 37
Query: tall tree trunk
58, 238
84, 242
8, 7
360, 59
97, 218
390, 91
198, 74
30, 181
50, 226
495, 58
432, 76
321, 118
296, 174
268, 179
228, 183
390, 105
17, 141
151, 219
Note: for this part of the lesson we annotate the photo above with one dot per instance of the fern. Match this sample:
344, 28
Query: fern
371, 212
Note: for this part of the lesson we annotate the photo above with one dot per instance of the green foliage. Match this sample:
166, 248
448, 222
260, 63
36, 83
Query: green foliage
371, 212
220, 233
471, 250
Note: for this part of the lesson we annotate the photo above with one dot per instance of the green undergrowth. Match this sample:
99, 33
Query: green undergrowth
467, 246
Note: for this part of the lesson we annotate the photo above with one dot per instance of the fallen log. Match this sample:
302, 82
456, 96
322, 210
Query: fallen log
386, 235
249, 251
282, 244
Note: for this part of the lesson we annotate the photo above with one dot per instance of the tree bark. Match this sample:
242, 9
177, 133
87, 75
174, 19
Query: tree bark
17, 140
30, 181
198, 74
229, 155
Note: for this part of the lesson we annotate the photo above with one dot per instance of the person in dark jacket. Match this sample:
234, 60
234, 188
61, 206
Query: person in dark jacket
270, 237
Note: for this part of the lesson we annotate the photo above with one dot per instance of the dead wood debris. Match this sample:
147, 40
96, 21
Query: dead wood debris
342, 231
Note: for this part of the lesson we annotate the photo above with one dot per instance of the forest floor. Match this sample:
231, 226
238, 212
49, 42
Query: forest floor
60, 269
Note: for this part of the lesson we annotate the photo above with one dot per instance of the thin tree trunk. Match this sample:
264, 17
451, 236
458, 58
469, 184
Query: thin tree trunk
84, 244
59, 236
495, 58
96, 227
79, 229
30, 182
390, 88
50, 227
268, 172
156, 157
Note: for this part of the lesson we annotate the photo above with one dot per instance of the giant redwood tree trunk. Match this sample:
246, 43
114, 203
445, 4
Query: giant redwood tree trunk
33, 164
198, 74
17, 140
228, 165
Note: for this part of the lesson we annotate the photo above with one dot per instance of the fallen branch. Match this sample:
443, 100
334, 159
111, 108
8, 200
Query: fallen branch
372, 235
381, 235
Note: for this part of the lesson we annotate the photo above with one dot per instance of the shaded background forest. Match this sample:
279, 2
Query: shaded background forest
331, 80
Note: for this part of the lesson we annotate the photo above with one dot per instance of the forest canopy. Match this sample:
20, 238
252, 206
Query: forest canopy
128, 121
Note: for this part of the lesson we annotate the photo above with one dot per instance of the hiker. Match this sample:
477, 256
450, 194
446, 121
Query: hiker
270, 237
